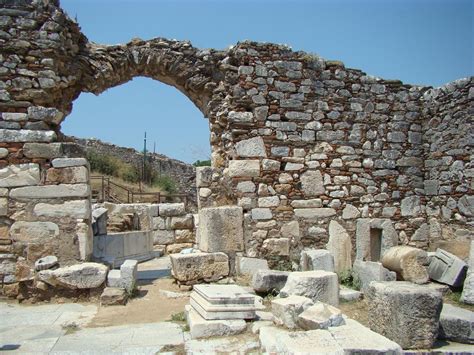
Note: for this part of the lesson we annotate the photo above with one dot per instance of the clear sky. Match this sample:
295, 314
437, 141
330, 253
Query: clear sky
428, 42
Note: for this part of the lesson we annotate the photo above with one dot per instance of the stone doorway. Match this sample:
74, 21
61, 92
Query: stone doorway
373, 238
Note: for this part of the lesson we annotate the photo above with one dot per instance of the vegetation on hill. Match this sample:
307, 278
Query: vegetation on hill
202, 163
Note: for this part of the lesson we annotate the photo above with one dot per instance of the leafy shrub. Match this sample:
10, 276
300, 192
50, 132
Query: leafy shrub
349, 279
165, 183
202, 163
104, 164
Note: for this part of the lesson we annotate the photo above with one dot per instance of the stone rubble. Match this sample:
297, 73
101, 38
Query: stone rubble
447, 268
456, 324
79, 276
194, 267
320, 316
265, 281
287, 310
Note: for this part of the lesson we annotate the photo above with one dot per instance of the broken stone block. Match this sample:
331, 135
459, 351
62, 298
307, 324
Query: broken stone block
348, 294
191, 268
277, 246
47, 262
340, 246
249, 266
447, 268
113, 296
202, 328
220, 229
456, 324
367, 271
317, 285
409, 263
316, 259
404, 312
125, 278
320, 316
79, 276
268, 280
286, 310
467, 295
99, 221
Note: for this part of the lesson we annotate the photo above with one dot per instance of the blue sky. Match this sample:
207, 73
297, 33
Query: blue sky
428, 42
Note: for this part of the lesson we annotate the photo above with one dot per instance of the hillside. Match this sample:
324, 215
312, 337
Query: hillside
183, 175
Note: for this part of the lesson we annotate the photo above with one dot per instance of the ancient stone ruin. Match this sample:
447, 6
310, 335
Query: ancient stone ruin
297, 142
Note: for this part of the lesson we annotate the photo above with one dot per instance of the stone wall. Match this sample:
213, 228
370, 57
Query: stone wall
313, 152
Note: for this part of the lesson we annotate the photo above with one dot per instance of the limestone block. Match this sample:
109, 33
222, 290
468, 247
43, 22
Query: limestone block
240, 117
125, 278
318, 285
113, 296
244, 168
42, 150
267, 280
199, 266
182, 222
350, 212
405, 312
286, 310
203, 176
320, 316
79, 276
171, 209
371, 246
177, 248
163, 236
410, 264
246, 186
99, 221
30, 231
202, 328
20, 175
348, 294
26, 135
277, 246
220, 229
314, 213
159, 223
250, 266
51, 191
312, 183
3, 206
47, 114
84, 235
250, 148
466, 205
184, 236
411, 206
270, 201
270, 165
69, 162
467, 295
3, 152
261, 214
340, 246
14, 116
290, 230
367, 271
48, 262
456, 324
70, 175
311, 203
80, 209
447, 268
316, 259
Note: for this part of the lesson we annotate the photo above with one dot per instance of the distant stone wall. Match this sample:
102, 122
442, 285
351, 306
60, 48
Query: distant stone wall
184, 175
313, 152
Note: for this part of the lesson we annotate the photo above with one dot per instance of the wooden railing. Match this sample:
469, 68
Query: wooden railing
107, 187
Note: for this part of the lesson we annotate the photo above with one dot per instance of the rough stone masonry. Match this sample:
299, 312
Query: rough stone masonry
297, 141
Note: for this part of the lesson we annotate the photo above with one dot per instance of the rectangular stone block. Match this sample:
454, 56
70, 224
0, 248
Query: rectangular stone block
220, 229
68, 162
20, 175
42, 150
249, 266
248, 168
70, 175
74, 209
171, 209
447, 268
317, 259
26, 135
191, 268
312, 213
51, 192
163, 236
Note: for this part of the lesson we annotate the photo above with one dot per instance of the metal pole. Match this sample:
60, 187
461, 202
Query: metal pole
144, 158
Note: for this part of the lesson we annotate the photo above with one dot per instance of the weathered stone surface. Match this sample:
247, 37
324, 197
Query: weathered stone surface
277, 246
171, 209
163, 237
314, 213
51, 191
340, 246
20, 175
79, 276
466, 205
286, 310
467, 295
350, 212
250, 266
317, 285
40, 113
320, 316
69, 175
267, 280
371, 246
30, 231
182, 222
203, 176
69, 162
404, 312
248, 168
124, 278
73, 209
26, 135
411, 206
312, 183
261, 213
456, 324
113, 296
99, 221
42, 150
316, 259
3, 206
190, 268
220, 229
249, 148
447, 268
202, 328
45, 263
368, 271
348, 294
410, 264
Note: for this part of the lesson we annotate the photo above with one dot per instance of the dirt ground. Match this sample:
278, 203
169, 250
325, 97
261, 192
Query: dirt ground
149, 306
